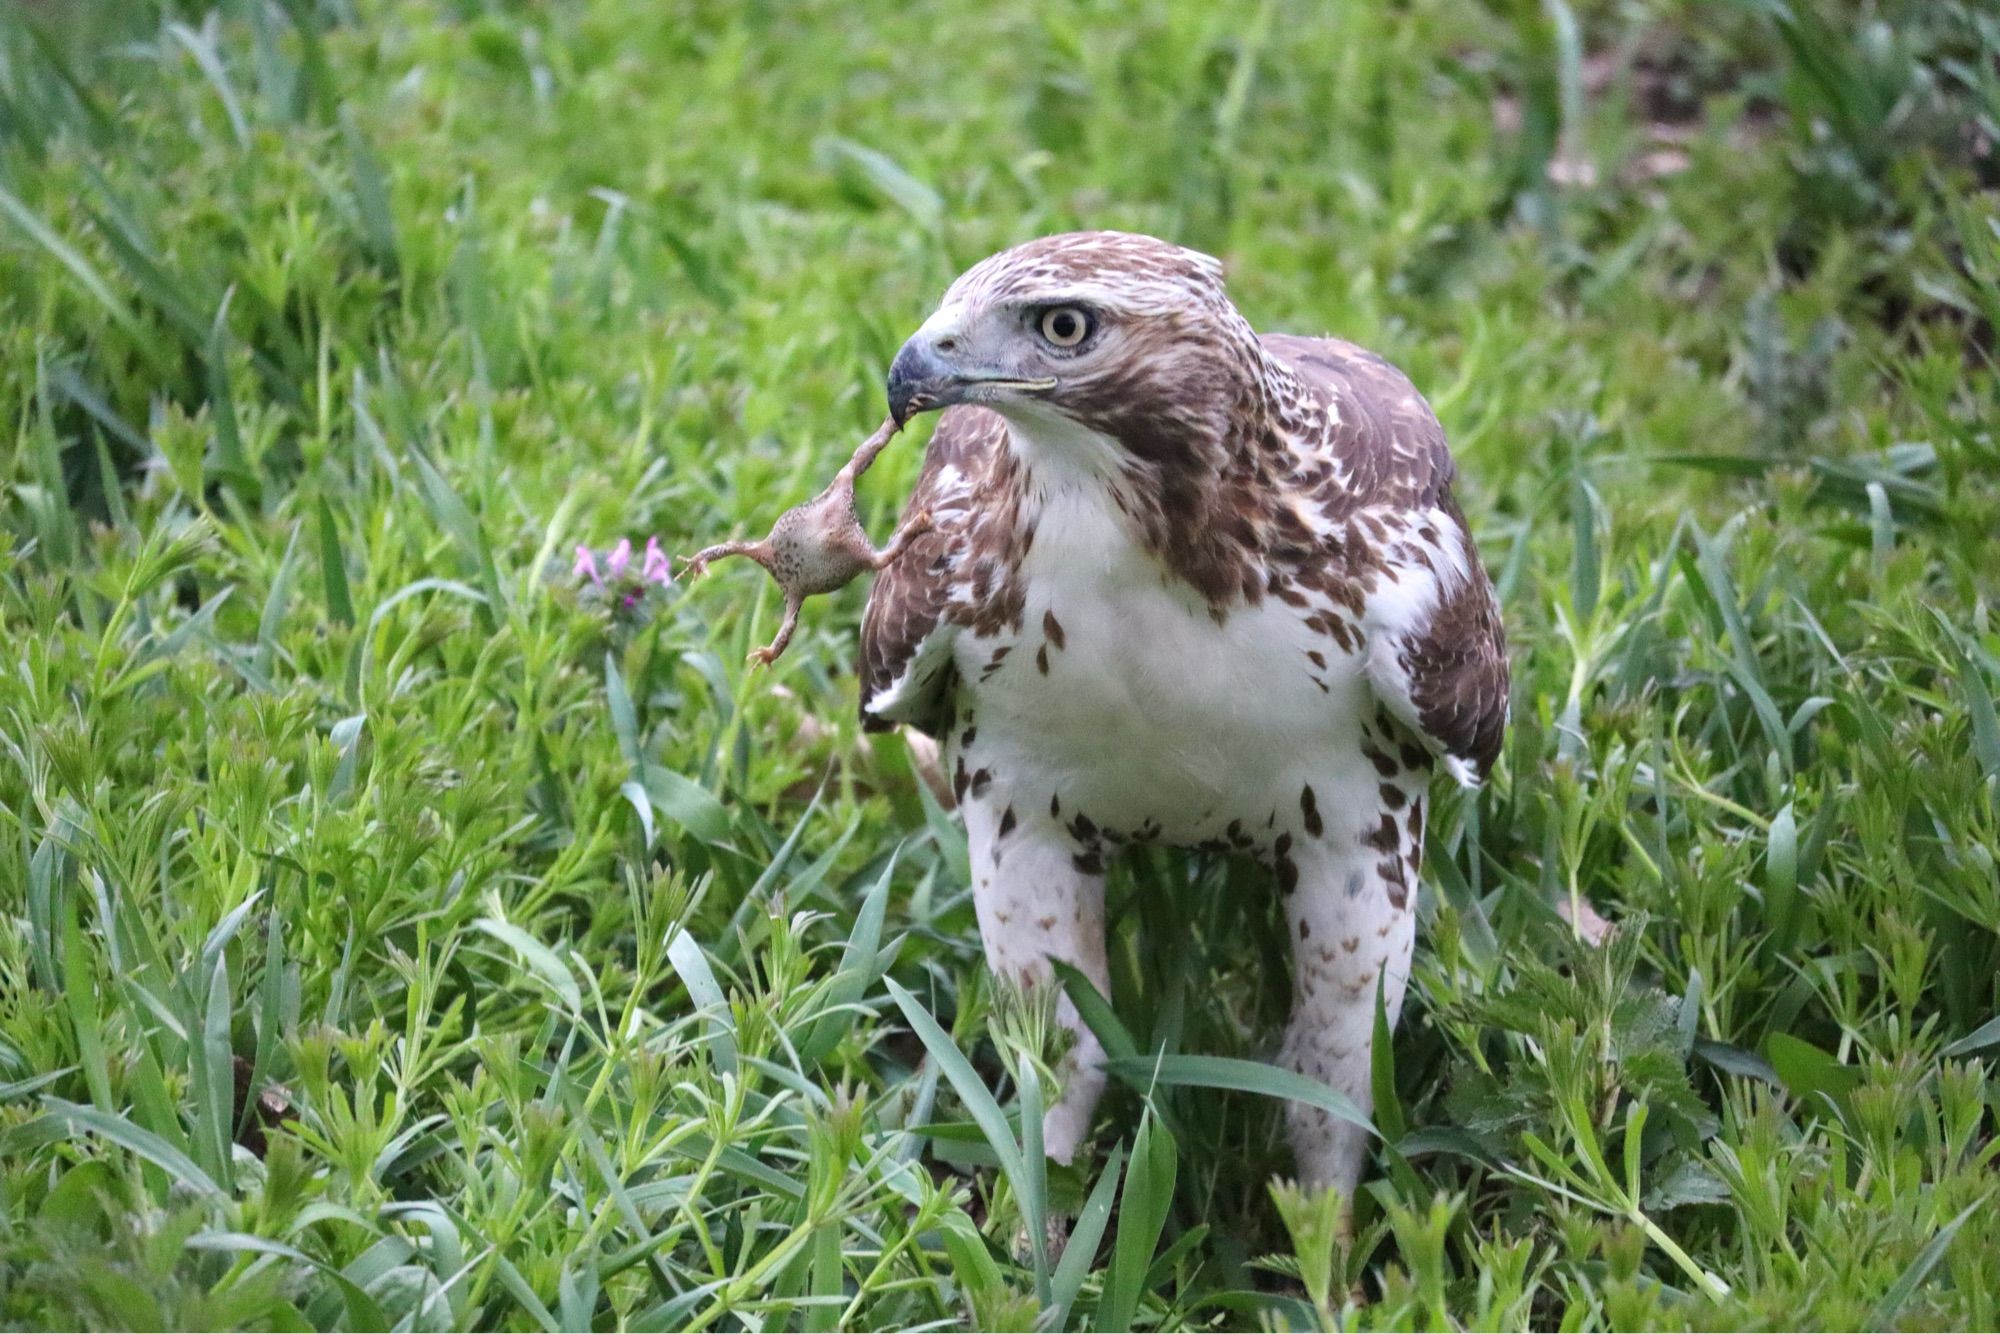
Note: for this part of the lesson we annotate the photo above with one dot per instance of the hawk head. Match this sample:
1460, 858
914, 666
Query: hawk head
1129, 337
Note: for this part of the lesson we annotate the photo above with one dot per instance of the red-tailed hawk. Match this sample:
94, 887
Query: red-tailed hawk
1183, 584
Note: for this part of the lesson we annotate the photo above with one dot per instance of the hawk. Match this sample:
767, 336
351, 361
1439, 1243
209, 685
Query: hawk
1183, 584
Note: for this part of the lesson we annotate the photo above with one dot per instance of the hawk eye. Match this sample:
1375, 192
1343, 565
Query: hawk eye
1065, 326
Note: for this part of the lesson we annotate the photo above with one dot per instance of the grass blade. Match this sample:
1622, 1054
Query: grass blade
707, 995
1980, 1038
1033, 1188
1978, 699
271, 621
857, 969
687, 803
1142, 1213
1084, 1235
1228, 1072
213, 1079
142, 1143
371, 194
209, 61
80, 995
1899, 1293
1382, 1075
66, 255
333, 568
540, 959
232, 467
1096, 1012
456, 519
979, 1103
879, 174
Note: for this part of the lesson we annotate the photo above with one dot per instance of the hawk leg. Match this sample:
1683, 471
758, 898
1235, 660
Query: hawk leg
1039, 899
1349, 910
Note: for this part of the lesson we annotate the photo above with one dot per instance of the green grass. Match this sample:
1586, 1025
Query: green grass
397, 936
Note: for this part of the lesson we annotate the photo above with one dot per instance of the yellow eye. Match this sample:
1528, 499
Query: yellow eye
1065, 326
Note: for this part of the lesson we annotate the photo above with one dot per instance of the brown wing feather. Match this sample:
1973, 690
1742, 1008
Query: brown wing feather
1394, 455
907, 617
1457, 666
1387, 436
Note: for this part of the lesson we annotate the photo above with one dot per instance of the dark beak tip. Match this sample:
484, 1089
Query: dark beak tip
904, 402
912, 382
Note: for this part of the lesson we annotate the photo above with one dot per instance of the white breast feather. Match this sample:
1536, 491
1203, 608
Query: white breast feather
1152, 710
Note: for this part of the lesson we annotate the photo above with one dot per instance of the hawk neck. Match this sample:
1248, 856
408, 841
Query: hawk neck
1191, 468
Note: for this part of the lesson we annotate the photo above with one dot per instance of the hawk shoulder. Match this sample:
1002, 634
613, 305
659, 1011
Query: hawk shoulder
1437, 654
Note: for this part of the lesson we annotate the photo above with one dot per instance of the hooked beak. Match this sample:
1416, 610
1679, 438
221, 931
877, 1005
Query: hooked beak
922, 378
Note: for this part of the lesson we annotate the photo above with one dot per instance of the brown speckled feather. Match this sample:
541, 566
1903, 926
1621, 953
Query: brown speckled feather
908, 603
1458, 671
1396, 455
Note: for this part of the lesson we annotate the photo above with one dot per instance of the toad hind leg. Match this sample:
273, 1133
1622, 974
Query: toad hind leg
765, 656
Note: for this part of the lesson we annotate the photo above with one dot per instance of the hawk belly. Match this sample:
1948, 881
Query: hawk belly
1123, 703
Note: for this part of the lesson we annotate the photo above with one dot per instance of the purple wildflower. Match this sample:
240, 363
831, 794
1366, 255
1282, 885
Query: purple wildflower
622, 577
657, 570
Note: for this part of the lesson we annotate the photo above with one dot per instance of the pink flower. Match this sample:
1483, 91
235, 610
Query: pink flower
618, 558
657, 570
621, 576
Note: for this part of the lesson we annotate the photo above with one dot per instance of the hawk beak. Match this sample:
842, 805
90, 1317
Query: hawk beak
921, 379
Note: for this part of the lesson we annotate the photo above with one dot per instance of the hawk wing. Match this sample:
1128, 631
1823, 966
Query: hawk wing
906, 632
1437, 656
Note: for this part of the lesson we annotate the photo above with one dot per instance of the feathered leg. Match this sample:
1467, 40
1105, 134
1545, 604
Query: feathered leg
1037, 899
1350, 875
